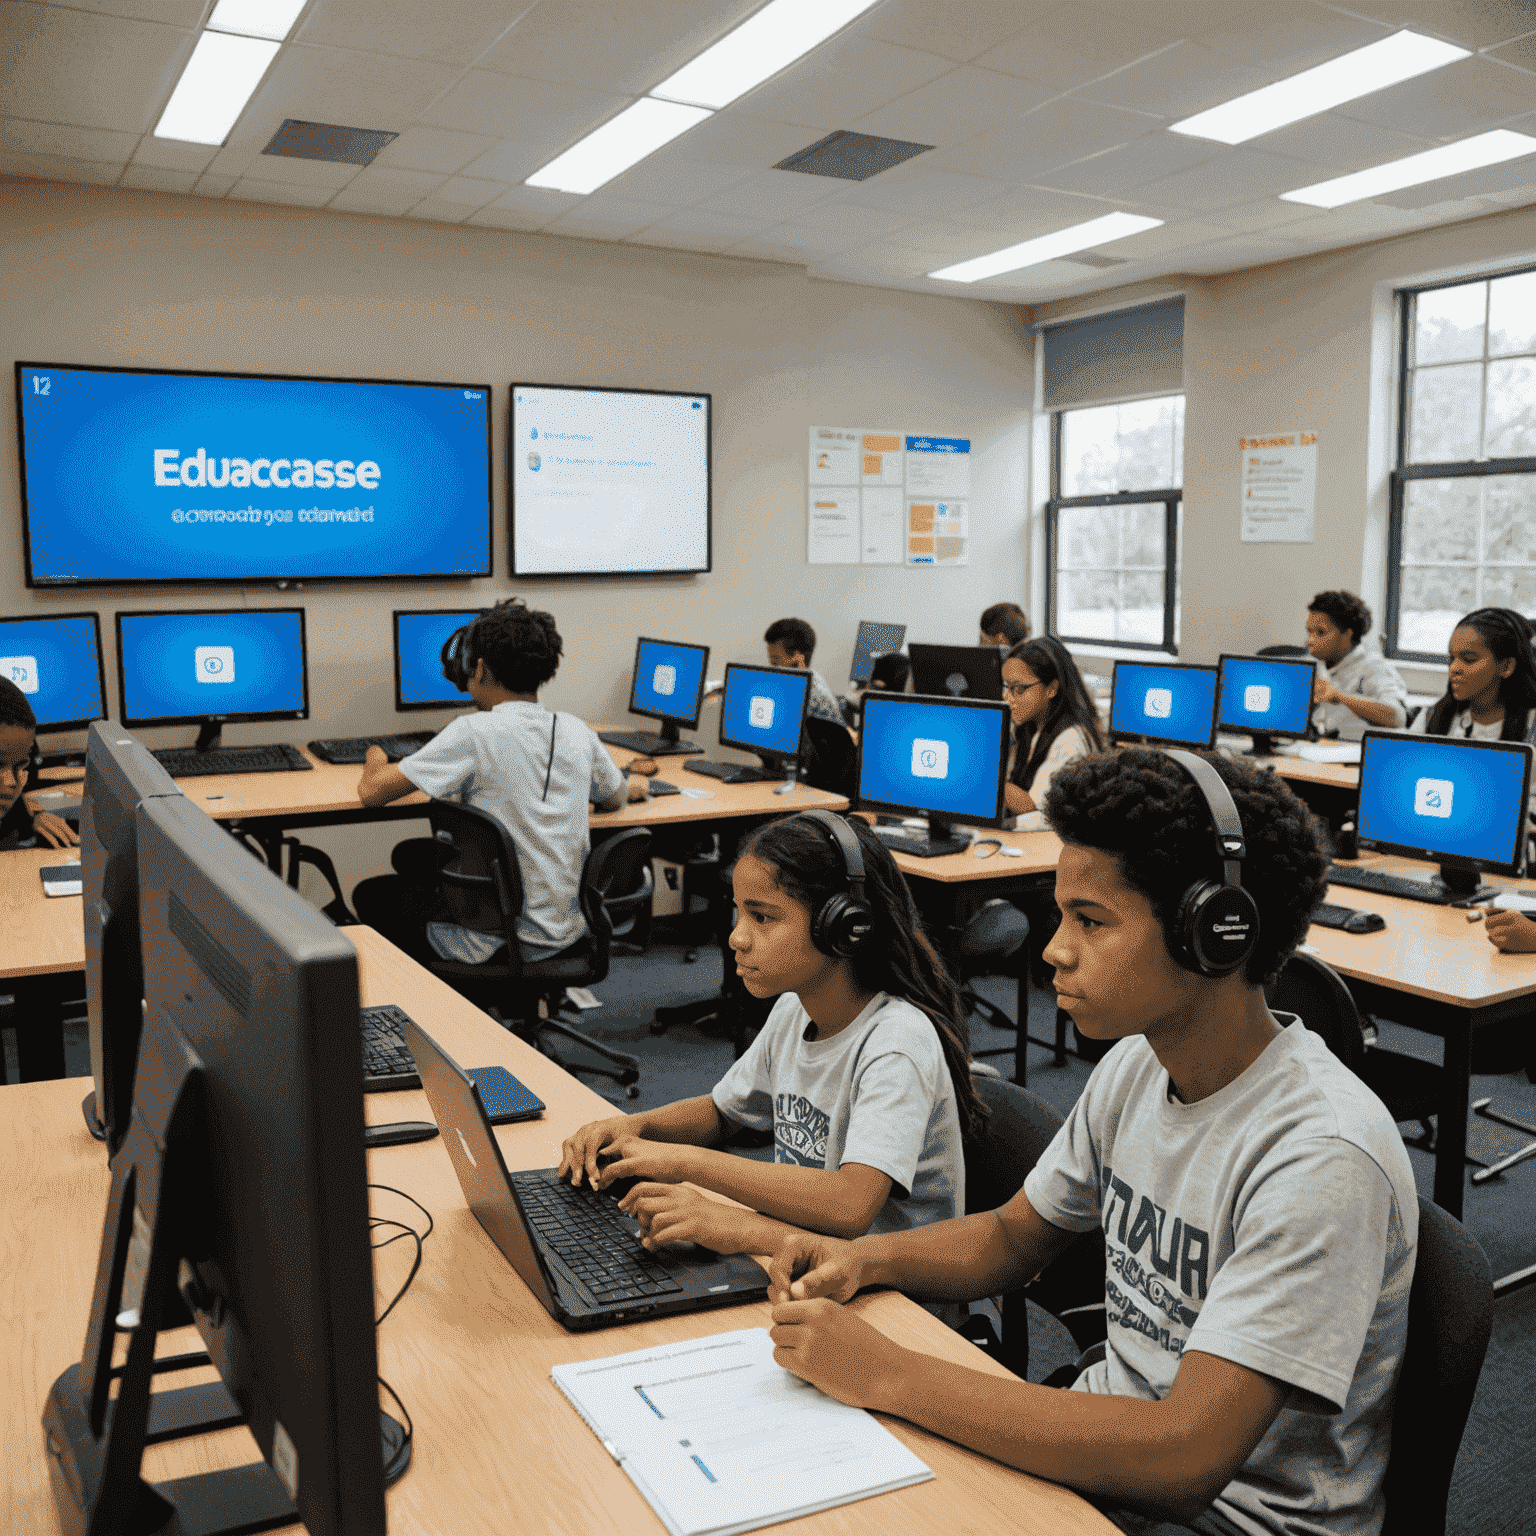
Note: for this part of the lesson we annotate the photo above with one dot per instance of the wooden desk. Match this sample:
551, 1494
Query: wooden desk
42, 958
497, 1447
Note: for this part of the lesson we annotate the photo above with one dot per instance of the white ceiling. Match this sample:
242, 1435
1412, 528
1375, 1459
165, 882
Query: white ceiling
1043, 114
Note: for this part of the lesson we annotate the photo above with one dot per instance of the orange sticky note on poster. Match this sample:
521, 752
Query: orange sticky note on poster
920, 517
920, 546
871, 463
875, 443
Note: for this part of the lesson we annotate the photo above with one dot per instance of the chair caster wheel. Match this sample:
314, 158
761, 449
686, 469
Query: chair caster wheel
631, 1092
690, 956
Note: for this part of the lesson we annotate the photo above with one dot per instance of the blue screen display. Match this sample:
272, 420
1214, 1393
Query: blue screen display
1450, 799
188, 666
1175, 704
667, 680
763, 710
1262, 695
179, 477
57, 665
932, 757
419, 639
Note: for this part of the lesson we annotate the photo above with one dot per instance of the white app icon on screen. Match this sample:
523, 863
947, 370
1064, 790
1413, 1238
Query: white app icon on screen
22, 670
1256, 698
1433, 797
930, 759
1159, 704
760, 713
664, 679
215, 663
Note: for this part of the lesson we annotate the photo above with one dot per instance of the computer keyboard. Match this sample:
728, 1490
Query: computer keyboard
387, 1061
1383, 884
732, 773
647, 743
920, 847
189, 763
1348, 919
596, 1241
353, 750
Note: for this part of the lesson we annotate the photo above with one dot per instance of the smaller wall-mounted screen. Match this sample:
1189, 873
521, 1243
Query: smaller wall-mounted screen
608, 482
55, 660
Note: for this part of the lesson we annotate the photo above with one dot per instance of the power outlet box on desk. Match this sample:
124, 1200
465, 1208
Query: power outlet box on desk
667, 897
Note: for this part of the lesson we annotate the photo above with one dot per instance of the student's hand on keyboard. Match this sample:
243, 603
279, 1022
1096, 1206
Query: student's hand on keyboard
54, 830
1510, 931
632, 1157
579, 1151
811, 1265
673, 1213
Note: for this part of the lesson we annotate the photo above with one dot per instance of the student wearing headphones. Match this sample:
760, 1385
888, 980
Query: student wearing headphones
1257, 1206
861, 1073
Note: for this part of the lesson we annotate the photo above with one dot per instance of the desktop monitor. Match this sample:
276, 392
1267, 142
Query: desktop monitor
668, 685
208, 666
1166, 704
763, 709
1460, 803
242, 1186
873, 641
119, 774
960, 671
55, 659
1265, 696
940, 757
420, 635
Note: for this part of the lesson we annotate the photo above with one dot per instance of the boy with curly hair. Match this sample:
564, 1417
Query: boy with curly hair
1258, 1209
1356, 687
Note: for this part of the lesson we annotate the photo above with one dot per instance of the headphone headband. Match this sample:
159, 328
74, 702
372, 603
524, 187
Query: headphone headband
843, 921
1231, 845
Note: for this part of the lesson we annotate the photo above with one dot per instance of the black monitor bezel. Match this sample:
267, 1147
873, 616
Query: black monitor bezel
58, 727
1513, 868
882, 700
987, 655
278, 577
1247, 730
137, 723
853, 663
401, 706
733, 667
1165, 741
683, 722
612, 389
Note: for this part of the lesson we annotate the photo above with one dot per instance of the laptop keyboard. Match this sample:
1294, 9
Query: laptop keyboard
387, 1061
595, 1240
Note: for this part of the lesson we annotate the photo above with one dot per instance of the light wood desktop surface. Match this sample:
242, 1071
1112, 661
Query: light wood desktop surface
497, 1447
39, 935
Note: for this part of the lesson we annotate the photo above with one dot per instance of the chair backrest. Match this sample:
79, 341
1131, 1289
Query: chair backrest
480, 883
893, 670
1281, 650
1450, 1318
616, 878
831, 762
995, 930
1316, 992
1018, 1129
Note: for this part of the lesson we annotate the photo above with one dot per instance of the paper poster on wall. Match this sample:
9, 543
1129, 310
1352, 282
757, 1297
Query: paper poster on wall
936, 533
832, 526
835, 456
1278, 488
881, 523
938, 467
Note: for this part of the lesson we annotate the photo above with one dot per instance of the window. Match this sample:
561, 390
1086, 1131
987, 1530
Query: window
1463, 522
1112, 523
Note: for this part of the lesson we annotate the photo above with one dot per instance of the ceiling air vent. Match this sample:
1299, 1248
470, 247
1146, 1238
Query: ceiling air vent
327, 141
851, 156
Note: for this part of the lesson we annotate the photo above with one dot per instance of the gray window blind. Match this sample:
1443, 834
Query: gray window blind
1111, 357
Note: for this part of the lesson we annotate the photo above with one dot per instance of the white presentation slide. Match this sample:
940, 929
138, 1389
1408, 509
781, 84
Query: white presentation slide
608, 481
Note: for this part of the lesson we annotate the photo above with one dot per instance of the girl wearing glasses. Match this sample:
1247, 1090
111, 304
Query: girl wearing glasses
1054, 721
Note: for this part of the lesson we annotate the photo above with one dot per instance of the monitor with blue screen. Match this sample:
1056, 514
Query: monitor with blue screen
1168, 704
873, 641
943, 758
1462, 803
420, 635
763, 709
55, 659
1266, 696
668, 685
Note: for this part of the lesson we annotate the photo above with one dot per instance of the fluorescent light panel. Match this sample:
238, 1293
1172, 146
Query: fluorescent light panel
636, 132
219, 79
771, 40
256, 18
1431, 165
1352, 75
1080, 237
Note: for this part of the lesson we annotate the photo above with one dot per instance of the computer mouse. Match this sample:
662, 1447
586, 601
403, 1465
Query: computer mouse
1364, 922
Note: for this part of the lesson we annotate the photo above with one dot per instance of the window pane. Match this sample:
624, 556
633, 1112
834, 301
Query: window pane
1512, 314
1432, 601
1176, 426
1136, 446
1511, 429
1087, 604
1511, 589
1440, 520
1443, 427
1088, 536
1141, 608
1448, 324
1143, 531
1509, 525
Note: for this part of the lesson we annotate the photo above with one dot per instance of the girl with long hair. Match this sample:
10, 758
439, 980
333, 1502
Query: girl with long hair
1491, 687
1054, 720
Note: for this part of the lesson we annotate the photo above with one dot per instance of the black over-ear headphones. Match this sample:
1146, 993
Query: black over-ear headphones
844, 921
1218, 922
460, 651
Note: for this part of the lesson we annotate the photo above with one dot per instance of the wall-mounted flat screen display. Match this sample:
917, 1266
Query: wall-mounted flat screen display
154, 476
608, 482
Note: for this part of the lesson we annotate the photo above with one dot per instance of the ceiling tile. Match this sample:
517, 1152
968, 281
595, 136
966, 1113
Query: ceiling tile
809, 244
1472, 23
1132, 165
1057, 134
1179, 18
60, 168
376, 189
1511, 176
1288, 36
97, 71
1178, 82
955, 107
1168, 239
843, 218
927, 194
1269, 214
712, 230
676, 178
504, 218
1239, 251
1333, 139
1238, 176
1021, 212
470, 192
438, 210
1455, 102
606, 218
509, 161
1522, 54
24, 137
533, 111
774, 194
1075, 44
151, 178
304, 173
173, 154
1345, 226
738, 138
452, 32
209, 185
176, 13
249, 189
844, 80
542, 201
433, 149
957, 31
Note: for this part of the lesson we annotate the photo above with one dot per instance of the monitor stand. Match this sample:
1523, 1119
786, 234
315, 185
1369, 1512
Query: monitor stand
664, 743
1263, 745
1463, 883
210, 736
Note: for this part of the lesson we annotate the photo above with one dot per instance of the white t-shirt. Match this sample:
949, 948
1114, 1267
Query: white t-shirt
1071, 744
537, 773
1273, 1224
1462, 725
1362, 674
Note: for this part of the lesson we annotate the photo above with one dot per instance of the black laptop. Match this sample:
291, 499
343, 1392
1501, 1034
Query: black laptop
576, 1250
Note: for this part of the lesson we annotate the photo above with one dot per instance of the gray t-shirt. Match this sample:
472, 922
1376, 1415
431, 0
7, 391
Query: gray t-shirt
877, 1093
1362, 674
1272, 1224
821, 701
498, 761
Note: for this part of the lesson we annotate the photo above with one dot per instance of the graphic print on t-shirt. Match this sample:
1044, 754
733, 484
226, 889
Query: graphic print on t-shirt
799, 1131
1173, 1270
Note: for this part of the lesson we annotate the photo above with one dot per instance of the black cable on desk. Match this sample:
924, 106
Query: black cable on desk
401, 1459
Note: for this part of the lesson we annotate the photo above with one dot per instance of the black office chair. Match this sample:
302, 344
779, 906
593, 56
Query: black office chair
1282, 650
481, 889
989, 939
830, 761
628, 901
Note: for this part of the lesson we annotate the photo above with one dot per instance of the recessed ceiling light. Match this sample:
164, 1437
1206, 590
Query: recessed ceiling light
256, 18
1351, 75
1431, 165
622, 141
773, 39
1080, 237
220, 77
